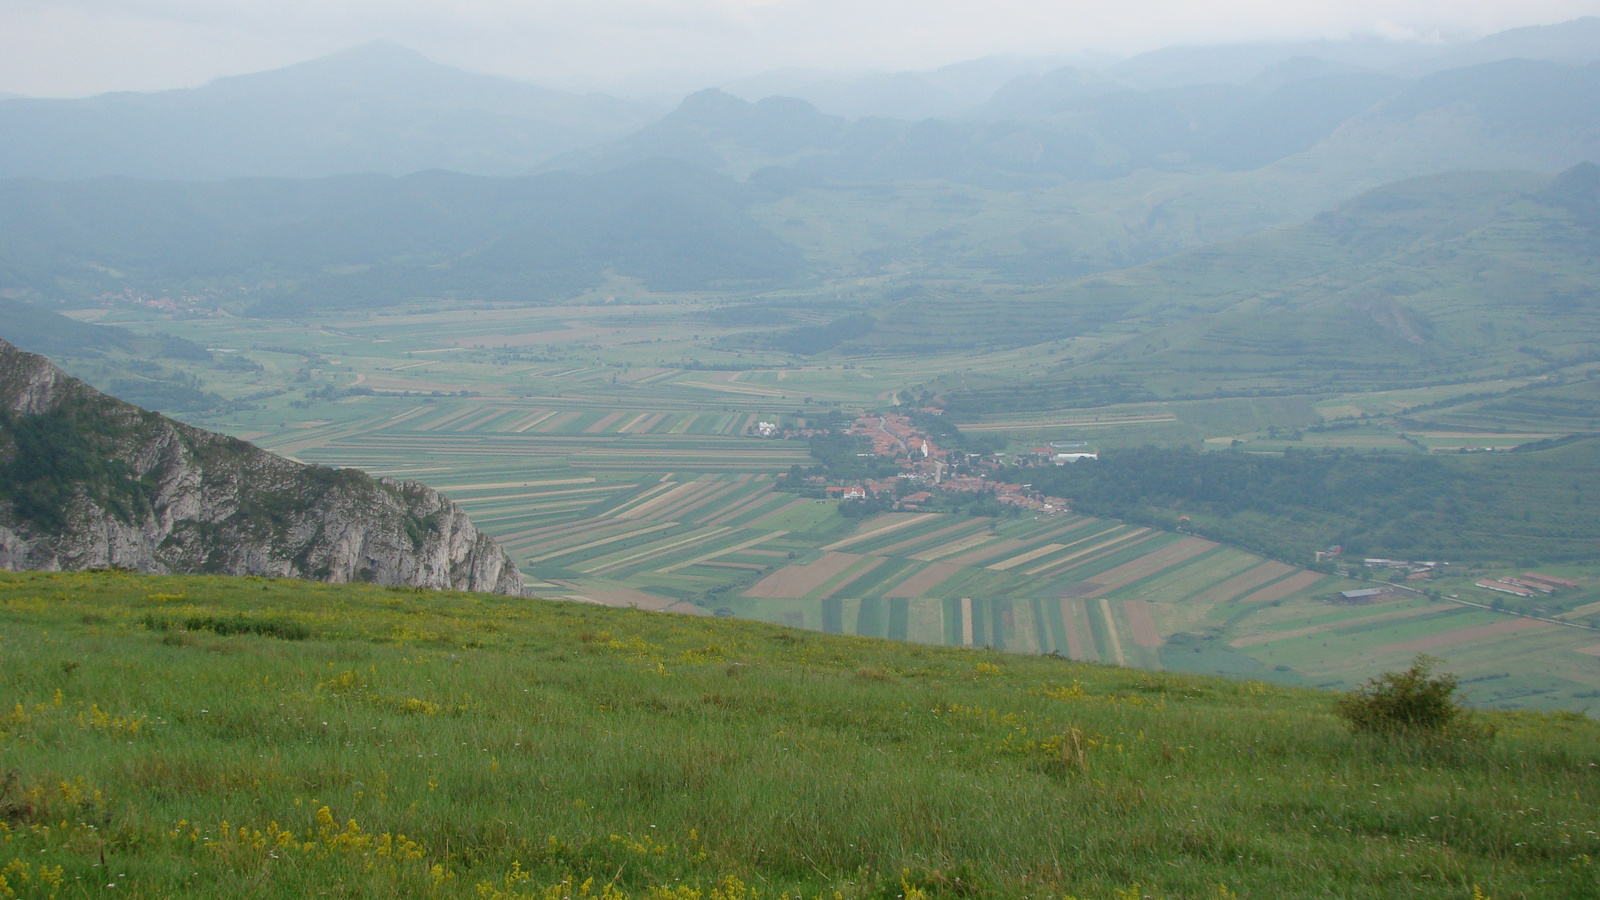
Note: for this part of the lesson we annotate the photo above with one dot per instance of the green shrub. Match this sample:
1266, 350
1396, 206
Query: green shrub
1413, 702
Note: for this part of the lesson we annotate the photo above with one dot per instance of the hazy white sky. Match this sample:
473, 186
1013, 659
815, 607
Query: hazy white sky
77, 47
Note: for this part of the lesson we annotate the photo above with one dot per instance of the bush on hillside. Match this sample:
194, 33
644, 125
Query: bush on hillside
1414, 702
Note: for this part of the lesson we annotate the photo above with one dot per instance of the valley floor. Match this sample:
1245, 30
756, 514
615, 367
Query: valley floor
610, 445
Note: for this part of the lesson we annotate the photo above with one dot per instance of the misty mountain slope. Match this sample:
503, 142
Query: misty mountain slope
39, 330
377, 108
1516, 114
372, 240
134, 367
1454, 276
1575, 42
944, 92
1314, 116
1230, 127
785, 142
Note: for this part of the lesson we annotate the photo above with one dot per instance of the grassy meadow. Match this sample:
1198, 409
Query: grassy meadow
204, 737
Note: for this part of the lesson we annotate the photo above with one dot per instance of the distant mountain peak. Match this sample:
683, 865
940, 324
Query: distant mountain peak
712, 106
376, 65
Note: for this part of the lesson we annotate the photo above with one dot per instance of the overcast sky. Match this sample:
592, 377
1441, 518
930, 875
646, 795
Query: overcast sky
78, 47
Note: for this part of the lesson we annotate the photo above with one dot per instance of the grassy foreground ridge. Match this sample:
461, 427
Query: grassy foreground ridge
207, 737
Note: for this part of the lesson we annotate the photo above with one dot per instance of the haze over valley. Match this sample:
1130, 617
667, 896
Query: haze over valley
1042, 384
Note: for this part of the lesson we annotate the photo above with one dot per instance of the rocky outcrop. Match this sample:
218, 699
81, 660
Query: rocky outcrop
88, 481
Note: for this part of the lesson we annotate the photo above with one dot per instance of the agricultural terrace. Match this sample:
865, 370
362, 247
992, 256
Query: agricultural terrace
175, 737
610, 448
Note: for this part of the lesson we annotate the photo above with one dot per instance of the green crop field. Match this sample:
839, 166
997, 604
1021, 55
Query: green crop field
208, 737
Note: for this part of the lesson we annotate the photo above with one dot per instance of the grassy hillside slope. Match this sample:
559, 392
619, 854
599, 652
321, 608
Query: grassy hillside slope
211, 737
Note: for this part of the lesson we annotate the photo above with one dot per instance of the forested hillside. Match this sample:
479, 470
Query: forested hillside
1522, 508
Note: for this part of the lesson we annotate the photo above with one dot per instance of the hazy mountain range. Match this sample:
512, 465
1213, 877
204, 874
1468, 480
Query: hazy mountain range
376, 108
384, 109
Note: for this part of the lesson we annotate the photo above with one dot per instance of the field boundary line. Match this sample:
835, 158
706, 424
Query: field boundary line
654, 550
1063, 561
724, 552
659, 526
1112, 637
883, 529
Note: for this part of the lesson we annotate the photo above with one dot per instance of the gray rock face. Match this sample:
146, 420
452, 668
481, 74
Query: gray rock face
89, 481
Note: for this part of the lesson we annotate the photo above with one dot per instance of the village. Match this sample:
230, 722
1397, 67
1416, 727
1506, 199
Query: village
927, 469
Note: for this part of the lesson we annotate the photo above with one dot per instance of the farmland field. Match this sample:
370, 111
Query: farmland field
610, 445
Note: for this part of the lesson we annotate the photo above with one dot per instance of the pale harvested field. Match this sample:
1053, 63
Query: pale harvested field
602, 542
1075, 631
923, 581
606, 421
1590, 651
549, 426
1026, 557
1113, 639
1141, 623
1463, 635
661, 498
694, 506
553, 532
1065, 562
1165, 558
729, 513
794, 582
655, 550
497, 485
978, 548
1244, 582
688, 500
891, 522
530, 420
1283, 588
1326, 627
893, 549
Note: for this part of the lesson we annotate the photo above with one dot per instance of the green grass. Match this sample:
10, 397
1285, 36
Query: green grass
521, 746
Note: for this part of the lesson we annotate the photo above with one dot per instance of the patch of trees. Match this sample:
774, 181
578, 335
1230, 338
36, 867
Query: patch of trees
53, 457
1490, 507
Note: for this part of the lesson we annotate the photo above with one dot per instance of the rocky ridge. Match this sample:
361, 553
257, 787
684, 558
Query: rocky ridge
88, 481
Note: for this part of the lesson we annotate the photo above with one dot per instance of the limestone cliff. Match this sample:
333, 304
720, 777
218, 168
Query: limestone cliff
89, 481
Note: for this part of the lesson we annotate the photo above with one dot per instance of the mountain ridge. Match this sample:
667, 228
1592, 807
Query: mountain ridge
93, 482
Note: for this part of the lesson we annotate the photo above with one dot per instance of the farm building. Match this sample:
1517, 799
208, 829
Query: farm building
1504, 588
1550, 580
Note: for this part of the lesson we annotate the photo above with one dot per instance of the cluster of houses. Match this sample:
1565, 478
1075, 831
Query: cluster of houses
190, 304
798, 430
1415, 570
926, 467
